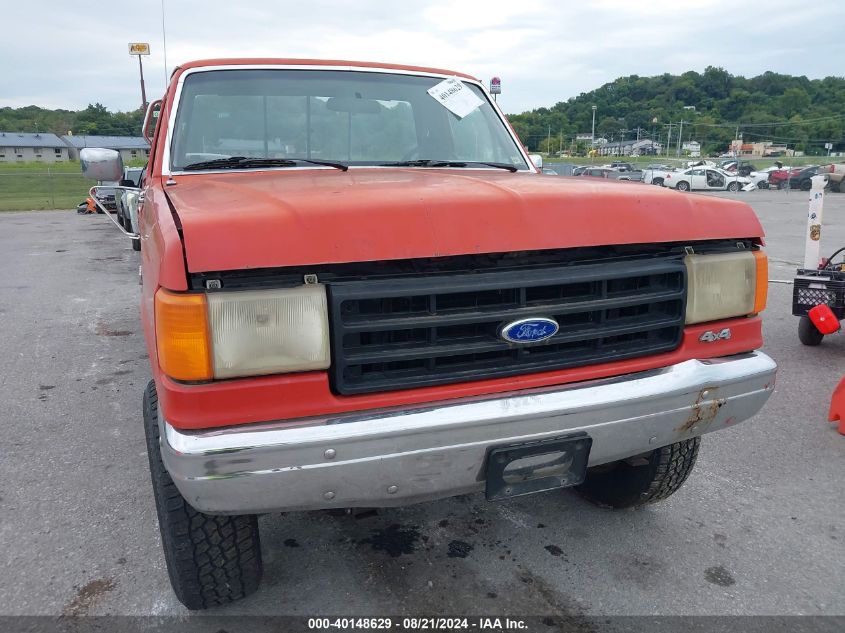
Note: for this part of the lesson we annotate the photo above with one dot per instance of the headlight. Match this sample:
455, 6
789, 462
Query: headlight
269, 331
249, 333
725, 285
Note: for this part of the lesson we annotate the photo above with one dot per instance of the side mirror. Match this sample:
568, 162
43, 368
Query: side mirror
537, 160
106, 165
101, 164
151, 120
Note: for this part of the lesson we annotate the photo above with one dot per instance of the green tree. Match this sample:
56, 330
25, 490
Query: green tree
95, 119
771, 106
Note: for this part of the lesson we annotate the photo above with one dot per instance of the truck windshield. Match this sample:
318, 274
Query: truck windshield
349, 117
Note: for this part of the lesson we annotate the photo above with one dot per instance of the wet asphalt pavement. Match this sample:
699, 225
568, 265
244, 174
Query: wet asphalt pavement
759, 528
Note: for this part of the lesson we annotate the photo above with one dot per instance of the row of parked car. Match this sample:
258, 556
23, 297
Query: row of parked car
615, 170
726, 175
733, 175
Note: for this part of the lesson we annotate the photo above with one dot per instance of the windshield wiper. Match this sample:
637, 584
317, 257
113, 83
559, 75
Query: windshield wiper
244, 162
428, 162
327, 163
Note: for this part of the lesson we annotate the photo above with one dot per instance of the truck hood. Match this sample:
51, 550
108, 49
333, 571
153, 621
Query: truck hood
281, 218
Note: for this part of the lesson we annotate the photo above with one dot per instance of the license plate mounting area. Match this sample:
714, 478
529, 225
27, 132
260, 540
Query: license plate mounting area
530, 467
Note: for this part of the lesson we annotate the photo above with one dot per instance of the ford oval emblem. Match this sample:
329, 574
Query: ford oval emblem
529, 330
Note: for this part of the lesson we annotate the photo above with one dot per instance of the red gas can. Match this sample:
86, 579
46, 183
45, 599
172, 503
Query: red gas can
824, 319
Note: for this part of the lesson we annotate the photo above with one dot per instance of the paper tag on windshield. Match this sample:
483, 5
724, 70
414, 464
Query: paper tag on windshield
455, 97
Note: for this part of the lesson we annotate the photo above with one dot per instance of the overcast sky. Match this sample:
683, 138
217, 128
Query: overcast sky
56, 53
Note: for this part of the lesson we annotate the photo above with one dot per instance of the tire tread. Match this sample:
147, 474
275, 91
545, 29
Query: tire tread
211, 559
628, 486
808, 334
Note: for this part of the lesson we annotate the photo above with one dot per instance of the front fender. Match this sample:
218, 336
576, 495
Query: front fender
837, 406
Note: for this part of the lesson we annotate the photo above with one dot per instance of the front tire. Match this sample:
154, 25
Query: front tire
808, 334
631, 483
683, 186
658, 182
733, 187
211, 560
806, 185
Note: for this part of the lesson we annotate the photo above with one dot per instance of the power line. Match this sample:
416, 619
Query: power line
795, 138
773, 123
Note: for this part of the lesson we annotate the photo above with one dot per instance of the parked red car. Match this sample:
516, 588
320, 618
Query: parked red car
780, 179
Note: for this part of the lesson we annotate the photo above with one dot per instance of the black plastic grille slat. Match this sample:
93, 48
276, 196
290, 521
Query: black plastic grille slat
402, 352
405, 333
391, 322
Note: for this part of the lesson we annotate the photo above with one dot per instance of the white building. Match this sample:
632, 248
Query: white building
19, 147
587, 137
130, 147
692, 149
643, 147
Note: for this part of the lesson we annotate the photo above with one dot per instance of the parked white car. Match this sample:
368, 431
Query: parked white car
654, 174
705, 179
761, 177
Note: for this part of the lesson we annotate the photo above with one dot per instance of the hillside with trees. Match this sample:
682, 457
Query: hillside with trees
95, 119
714, 105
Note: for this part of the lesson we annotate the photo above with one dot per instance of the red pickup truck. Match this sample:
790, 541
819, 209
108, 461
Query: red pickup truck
358, 291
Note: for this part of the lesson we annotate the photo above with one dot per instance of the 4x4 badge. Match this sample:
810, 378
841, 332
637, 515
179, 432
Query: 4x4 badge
711, 337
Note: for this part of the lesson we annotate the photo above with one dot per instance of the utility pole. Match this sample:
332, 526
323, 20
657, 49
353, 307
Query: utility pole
680, 138
549, 141
593, 136
653, 124
668, 140
143, 90
139, 49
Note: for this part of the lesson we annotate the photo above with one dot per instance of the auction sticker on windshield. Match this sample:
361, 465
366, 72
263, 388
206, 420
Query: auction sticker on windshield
455, 97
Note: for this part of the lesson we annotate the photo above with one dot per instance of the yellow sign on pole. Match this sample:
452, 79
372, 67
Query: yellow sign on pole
139, 48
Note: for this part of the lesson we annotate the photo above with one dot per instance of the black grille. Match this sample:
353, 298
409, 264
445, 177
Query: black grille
412, 332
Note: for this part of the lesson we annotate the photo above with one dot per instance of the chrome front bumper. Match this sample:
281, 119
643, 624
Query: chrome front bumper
400, 456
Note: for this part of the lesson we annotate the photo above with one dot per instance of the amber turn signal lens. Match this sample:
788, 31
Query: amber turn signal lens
761, 290
182, 337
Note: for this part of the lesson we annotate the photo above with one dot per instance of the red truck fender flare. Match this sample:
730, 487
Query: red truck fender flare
837, 406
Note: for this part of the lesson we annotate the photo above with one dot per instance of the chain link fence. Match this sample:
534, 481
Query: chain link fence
46, 189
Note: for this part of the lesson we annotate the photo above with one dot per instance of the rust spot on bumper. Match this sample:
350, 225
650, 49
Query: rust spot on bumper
704, 410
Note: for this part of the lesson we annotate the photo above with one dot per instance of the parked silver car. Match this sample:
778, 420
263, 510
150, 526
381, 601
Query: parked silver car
127, 201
